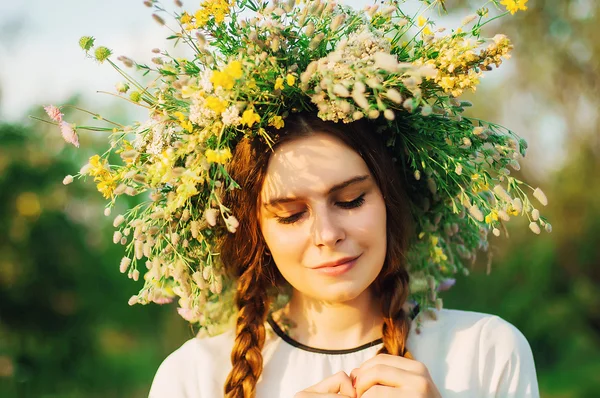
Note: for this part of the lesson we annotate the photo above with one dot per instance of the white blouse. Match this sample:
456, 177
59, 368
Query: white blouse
468, 354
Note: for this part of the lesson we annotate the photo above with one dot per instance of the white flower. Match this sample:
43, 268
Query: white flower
69, 133
231, 116
385, 61
535, 228
540, 196
476, 213
211, 216
68, 179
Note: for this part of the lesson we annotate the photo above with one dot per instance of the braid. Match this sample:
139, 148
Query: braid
396, 322
246, 357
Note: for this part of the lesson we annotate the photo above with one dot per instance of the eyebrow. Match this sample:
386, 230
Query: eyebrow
335, 188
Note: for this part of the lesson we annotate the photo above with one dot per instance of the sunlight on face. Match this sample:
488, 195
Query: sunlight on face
320, 204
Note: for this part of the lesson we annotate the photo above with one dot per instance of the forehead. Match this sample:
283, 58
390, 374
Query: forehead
310, 165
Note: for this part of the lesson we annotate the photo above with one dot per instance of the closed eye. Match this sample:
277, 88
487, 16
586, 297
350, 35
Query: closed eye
353, 204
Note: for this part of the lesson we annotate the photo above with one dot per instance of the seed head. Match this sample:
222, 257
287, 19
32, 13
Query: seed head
102, 53
86, 43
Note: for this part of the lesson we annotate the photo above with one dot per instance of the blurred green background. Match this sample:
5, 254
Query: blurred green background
66, 329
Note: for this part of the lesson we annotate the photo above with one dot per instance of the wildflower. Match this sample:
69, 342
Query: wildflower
389, 114
232, 224
421, 20
518, 205
102, 53
249, 117
468, 19
446, 284
133, 300
117, 236
279, 83
216, 104
107, 211
535, 228
86, 42
118, 220
386, 62
476, 213
67, 180
125, 261
135, 275
394, 95
535, 214
540, 196
69, 133
122, 87
458, 169
290, 79
493, 216
220, 156
513, 6
496, 232
211, 216
135, 96
158, 19
277, 122
54, 113
501, 192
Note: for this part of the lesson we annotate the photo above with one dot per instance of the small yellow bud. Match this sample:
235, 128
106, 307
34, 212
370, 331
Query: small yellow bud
102, 53
86, 42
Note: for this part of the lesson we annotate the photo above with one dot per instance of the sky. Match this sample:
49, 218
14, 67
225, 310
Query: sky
41, 62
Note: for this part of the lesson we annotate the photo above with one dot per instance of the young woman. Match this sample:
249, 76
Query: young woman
325, 213
311, 176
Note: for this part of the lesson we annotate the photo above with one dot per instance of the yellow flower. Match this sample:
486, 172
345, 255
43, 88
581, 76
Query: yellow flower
222, 79
234, 69
421, 20
493, 216
179, 115
277, 122
186, 18
427, 31
216, 104
514, 5
220, 156
249, 117
291, 79
279, 83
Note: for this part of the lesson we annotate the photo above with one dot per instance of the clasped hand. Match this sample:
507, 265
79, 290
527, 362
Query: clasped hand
383, 376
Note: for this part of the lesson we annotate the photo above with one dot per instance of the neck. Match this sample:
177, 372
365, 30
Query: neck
332, 326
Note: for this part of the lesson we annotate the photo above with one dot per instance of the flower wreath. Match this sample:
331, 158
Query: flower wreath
252, 65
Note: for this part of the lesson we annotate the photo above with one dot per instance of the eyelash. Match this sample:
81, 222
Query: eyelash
353, 204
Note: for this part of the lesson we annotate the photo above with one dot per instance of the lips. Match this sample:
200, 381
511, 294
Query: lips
337, 263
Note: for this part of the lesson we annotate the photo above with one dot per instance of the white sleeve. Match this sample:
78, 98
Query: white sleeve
175, 377
508, 369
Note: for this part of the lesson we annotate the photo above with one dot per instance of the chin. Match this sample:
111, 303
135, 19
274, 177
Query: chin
339, 292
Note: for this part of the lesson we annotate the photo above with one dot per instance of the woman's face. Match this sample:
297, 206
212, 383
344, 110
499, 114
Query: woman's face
320, 205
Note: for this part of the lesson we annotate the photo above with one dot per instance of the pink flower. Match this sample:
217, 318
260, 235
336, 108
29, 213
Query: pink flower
69, 133
54, 113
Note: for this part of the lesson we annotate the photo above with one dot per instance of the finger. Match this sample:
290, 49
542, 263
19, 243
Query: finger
304, 394
389, 376
386, 392
395, 361
338, 383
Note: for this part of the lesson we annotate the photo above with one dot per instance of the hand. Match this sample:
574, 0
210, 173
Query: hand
336, 386
387, 376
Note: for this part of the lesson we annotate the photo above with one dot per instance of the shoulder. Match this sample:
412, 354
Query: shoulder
487, 347
485, 330
186, 371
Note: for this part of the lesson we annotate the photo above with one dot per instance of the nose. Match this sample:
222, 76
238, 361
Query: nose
327, 229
